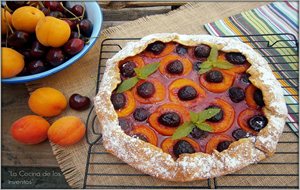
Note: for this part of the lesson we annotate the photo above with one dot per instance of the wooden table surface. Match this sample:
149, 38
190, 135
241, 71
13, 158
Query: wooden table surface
15, 97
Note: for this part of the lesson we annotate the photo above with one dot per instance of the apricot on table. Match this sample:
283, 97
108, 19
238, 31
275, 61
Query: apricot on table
168, 146
66, 131
217, 80
169, 109
12, 62
47, 102
30, 129
144, 133
52, 32
5, 21
174, 65
159, 49
186, 91
26, 18
215, 141
149, 91
227, 119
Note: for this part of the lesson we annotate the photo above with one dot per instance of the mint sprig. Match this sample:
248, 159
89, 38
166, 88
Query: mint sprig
213, 62
141, 74
197, 120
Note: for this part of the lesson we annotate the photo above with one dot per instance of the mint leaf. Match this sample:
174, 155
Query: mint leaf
183, 130
213, 55
139, 74
223, 64
127, 84
204, 126
206, 65
194, 116
208, 113
147, 70
202, 71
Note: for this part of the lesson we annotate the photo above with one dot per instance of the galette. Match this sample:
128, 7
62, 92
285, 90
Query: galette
189, 107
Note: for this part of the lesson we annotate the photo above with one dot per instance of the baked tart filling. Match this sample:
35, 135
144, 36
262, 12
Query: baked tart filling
181, 102
162, 105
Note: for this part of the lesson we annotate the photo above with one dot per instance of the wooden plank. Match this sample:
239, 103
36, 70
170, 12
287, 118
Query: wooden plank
126, 4
133, 13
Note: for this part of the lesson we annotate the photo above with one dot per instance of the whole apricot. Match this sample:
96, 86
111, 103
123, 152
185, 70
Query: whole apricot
12, 62
66, 131
47, 102
5, 20
30, 129
26, 18
52, 32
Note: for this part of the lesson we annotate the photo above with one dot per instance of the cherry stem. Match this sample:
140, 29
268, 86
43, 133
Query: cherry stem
78, 29
76, 17
41, 4
7, 8
87, 42
7, 22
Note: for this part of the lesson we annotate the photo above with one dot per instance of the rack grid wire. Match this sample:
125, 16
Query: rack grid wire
278, 171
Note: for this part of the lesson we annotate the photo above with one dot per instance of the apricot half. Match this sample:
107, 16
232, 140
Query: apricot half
181, 111
243, 118
168, 145
214, 141
228, 116
157, 96
144, 133
236, 68
163, 48
129, 105
174, 65
251, 94
225, 84
176, 95
52, 32
127, 65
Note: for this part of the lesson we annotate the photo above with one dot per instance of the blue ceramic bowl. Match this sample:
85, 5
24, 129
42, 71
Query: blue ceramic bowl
94, 14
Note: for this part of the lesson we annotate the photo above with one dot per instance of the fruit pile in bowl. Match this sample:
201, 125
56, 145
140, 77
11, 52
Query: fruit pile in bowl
39, 39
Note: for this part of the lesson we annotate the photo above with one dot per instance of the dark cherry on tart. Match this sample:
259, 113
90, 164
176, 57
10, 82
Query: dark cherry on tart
161, 102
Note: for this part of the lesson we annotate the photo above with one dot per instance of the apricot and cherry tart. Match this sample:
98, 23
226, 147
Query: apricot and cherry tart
197, 107
188, 99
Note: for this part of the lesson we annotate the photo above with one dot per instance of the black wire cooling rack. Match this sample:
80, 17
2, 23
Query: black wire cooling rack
278, 171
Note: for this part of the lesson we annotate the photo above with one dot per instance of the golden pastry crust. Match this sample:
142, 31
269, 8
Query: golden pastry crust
151, 159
